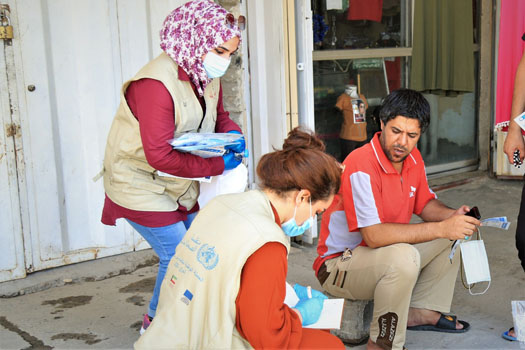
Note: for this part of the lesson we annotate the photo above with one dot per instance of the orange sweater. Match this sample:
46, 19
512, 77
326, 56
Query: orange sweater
262, 317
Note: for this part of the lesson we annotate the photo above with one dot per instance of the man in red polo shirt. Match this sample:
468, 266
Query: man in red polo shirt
368, 250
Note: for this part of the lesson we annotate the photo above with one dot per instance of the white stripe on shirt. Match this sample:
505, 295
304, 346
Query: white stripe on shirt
339, 238
364, 201
377, 157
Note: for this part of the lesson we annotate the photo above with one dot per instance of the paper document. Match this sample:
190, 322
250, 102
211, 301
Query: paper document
498, 222
330, 316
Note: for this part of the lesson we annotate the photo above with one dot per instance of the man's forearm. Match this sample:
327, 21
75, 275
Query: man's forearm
514, 140
514, 128
518, 96
442, 222
381, 235
435, 210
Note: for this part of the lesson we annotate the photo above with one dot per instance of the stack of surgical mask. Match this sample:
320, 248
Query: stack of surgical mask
518, 315
204, 145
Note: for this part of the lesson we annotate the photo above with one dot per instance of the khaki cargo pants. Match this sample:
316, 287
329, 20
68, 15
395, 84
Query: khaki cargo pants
396, 277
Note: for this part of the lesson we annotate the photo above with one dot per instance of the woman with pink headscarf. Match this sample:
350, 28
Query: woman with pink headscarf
177, 92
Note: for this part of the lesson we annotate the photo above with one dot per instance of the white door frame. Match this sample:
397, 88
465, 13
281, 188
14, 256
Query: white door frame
305, 70
267, 76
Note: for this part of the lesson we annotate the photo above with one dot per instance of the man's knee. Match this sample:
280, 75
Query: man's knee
404, 260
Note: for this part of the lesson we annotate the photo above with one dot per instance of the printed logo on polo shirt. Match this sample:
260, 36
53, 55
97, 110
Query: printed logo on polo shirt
173, 279
412, 191
186, 298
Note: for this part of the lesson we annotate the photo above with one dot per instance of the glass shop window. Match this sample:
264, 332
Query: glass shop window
373, 79
359, 24
347, 35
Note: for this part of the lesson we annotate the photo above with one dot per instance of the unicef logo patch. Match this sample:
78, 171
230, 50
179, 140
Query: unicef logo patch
207, 256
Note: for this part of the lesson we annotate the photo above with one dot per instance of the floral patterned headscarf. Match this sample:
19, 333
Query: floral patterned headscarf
192, 30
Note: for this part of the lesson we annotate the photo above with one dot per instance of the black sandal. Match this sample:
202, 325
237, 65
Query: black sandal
446, 323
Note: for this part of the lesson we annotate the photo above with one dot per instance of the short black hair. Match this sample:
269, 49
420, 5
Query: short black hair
407, 103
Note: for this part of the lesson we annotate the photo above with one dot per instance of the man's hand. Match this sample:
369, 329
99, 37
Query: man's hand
458, 226
462, 210
513, 142
440, 222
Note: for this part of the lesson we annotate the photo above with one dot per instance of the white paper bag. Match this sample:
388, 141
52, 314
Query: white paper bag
231, 181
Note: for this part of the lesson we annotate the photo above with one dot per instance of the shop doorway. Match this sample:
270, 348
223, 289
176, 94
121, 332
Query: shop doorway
370, 47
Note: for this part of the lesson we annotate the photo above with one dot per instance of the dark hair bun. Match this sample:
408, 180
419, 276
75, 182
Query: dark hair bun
302, 138
301, 164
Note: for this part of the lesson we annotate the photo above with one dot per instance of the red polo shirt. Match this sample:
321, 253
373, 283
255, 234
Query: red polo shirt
372, 192
152, 105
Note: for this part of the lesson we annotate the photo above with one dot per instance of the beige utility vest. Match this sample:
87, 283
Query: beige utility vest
129, 180
196, 307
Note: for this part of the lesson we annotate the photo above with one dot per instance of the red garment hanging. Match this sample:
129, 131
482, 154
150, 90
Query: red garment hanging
371, 10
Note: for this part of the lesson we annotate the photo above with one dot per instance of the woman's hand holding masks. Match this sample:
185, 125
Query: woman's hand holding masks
231, 160
239, 146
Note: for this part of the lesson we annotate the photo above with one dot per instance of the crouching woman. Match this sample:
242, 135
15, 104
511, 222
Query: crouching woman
225, 285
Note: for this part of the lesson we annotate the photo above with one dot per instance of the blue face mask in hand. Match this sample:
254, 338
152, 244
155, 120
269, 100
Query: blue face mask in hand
291, 228
215, 65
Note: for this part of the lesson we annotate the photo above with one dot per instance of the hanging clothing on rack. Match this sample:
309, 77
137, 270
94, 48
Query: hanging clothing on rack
371, 10
442, 50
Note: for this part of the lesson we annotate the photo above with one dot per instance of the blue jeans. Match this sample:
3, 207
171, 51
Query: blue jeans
163, 240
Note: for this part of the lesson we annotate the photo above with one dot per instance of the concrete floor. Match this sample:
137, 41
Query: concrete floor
99, 304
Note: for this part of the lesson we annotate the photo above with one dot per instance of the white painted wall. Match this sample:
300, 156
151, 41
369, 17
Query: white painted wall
77, 54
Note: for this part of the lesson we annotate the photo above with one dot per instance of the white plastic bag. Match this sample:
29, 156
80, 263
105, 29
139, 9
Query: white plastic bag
231, 181
475, 263
518, 315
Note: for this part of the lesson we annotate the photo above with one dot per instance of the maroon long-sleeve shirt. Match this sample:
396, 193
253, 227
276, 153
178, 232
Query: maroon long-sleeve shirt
152, 105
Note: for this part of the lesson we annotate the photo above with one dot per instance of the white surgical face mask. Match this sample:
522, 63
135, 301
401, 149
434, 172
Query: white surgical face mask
351, 91
215, 65
475, 263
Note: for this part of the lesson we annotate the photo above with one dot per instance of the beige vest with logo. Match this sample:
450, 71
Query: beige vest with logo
196, 308
128, 178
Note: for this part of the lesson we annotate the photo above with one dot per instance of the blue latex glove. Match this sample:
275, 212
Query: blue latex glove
239, 146
231, 160
302, 292
310, 310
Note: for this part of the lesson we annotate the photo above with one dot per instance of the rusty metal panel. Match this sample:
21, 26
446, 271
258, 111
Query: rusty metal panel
11, 250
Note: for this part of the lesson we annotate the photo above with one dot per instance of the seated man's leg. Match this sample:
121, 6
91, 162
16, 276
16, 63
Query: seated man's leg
435, 286
386, 275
